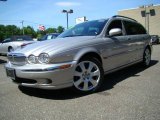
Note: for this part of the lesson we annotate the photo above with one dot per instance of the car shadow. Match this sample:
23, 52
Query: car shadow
110, 80
2, 61
62, 94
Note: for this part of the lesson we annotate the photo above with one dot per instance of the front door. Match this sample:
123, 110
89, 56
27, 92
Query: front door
116, 53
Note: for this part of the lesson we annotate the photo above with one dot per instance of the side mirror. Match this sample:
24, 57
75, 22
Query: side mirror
115, 32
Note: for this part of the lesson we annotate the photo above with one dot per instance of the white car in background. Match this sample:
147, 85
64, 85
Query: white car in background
15, 42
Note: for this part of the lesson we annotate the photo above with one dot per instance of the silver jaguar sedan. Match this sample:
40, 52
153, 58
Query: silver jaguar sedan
81, 56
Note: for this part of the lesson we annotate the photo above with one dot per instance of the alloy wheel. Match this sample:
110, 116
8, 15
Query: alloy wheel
86, 76
147, 57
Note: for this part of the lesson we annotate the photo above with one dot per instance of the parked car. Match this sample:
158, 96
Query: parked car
49, 36
155, 39
81, 56
11, 44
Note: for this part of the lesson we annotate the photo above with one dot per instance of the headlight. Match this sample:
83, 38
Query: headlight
32, 59
43, 58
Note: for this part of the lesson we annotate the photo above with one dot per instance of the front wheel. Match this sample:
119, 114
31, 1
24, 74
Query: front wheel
146, 57
88, 75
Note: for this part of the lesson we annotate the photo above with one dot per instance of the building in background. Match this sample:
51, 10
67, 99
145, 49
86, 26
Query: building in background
81, 19
148, 16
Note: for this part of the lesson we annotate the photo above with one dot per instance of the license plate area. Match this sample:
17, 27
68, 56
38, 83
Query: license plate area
10, 73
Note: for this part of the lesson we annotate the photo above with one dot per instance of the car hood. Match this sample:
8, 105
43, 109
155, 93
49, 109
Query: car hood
56, 45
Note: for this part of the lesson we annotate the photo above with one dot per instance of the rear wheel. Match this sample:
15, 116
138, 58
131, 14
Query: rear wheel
88, 75
158, 41
10, 49
146, 57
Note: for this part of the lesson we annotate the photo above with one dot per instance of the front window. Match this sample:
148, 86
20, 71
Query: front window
90, 28
43, 38
115, 24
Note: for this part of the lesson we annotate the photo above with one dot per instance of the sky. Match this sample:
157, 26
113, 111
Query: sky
48, 12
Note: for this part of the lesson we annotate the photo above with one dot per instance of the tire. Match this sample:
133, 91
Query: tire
88, 75
10, 49
158, 41
146, 58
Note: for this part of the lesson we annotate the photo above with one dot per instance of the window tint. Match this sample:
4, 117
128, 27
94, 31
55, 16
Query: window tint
90, 28
114, 24
21, 38
134, 28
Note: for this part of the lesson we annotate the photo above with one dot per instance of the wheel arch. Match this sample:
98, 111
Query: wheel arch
91, 52
149, 47
9, 47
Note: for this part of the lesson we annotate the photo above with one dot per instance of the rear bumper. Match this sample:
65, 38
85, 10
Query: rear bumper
52, 76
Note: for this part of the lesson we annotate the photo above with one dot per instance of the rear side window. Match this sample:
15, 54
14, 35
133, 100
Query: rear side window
133, 28
22, 38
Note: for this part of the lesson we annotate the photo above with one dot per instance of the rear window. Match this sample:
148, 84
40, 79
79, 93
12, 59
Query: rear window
133, 28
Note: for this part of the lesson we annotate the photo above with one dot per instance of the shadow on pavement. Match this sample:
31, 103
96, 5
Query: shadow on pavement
114, 78
62, 94
2, 61
110, 81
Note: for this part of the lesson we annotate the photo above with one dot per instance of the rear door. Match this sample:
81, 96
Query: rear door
136, 38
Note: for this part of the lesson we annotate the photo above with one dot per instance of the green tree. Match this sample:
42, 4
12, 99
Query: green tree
2, 32
60, 29
51, 30
30, 31
11, 30
40, 33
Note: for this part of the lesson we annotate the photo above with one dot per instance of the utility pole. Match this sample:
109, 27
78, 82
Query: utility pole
22, 26
145, 17
146, 14
67, 19
67, 12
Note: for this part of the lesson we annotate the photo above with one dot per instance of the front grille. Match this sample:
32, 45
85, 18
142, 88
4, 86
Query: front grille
17, 59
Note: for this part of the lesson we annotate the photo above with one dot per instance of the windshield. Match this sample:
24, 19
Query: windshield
43, 38
48, 37
90, 28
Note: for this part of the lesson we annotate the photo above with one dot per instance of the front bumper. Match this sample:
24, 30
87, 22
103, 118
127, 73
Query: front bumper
46, 76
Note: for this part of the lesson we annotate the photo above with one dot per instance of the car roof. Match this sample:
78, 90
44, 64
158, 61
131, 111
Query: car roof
124, 18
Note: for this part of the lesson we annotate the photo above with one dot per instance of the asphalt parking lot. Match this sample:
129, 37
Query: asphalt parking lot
129, 94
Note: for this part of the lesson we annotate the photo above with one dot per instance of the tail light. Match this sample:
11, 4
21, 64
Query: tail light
23, 45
